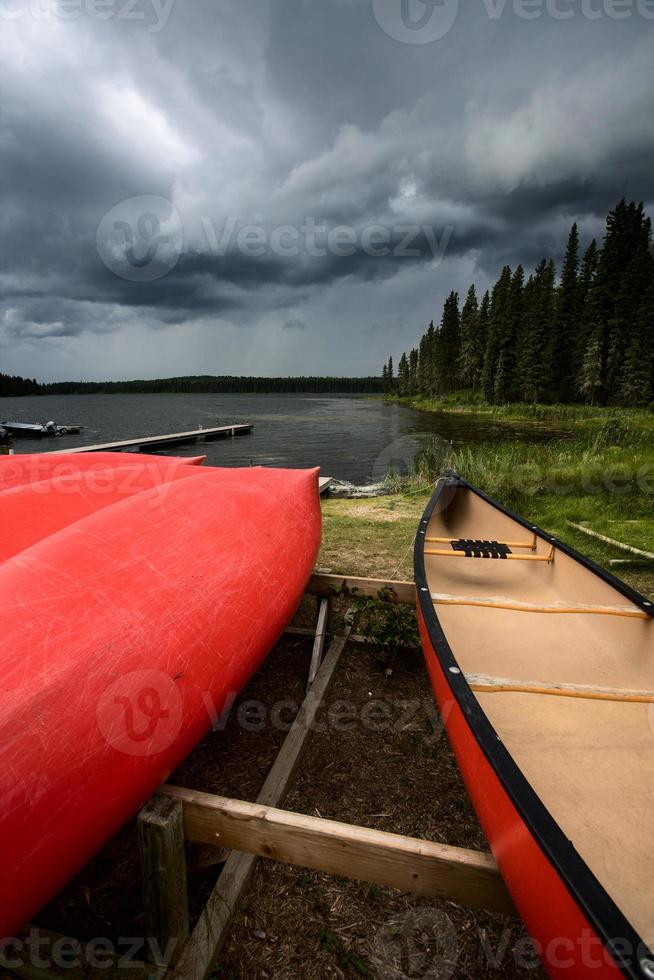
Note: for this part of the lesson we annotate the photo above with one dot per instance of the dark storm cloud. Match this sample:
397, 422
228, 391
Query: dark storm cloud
427, 164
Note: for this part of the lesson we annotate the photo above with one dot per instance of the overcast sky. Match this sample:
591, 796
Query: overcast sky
245, 187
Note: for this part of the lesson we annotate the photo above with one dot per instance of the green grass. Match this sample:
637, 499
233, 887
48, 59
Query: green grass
600, 471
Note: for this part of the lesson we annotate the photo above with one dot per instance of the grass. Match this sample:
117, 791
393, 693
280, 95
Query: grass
599, 471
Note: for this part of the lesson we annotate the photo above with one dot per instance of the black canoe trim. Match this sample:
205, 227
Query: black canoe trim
588, 892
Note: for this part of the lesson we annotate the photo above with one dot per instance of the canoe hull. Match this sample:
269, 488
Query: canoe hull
125, 636
563, 937
16, 471
577, 928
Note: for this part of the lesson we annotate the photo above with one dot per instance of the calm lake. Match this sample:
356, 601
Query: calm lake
350, 438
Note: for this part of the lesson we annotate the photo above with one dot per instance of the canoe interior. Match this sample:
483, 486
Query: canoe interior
591, 761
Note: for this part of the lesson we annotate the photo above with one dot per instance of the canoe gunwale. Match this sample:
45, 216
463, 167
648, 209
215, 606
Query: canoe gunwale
593, 900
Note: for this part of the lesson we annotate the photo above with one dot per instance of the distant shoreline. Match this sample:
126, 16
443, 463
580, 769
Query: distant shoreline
204, 384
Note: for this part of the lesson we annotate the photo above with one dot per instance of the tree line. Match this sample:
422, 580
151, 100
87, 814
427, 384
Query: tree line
588, 336
199, 385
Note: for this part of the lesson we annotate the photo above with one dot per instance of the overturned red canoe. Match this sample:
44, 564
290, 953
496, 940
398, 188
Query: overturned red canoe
26, 468
123, 636
32, 511
543, 669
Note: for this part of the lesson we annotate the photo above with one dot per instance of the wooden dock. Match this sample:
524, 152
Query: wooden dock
161, 442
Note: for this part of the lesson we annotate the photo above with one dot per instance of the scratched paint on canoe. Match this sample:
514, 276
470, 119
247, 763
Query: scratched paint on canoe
124, 634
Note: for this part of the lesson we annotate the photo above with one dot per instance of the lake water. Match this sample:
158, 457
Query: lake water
350, 438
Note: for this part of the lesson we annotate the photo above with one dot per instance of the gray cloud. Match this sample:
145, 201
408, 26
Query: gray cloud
488, 143
295, 324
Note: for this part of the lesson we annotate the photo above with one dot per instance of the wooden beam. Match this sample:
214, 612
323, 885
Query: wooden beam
616, 544
328, 585
319, 642
406, 863
163, 868
199, 956
493, 685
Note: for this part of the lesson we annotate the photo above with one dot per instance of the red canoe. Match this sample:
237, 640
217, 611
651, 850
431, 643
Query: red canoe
16, 471
543, 670
33, 511
123, 636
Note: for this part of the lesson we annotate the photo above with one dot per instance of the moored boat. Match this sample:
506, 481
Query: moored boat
31, 430
542, 665
123, 635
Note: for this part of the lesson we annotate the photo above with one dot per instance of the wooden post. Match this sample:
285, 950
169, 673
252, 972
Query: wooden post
163, 867
319, 642
203, 948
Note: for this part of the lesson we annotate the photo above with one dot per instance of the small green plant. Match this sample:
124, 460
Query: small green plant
334, 944
381, 620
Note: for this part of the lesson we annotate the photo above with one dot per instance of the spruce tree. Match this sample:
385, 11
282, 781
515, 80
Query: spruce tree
403, 376
514, 330
534, 370
385, 379
585, 284
566, 323
590, 379
499, 318
391, 378
470, 355
449, 345
482, 329
636, 386
413, 372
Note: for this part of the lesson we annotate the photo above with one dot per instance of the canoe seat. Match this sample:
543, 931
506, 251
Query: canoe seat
475, 548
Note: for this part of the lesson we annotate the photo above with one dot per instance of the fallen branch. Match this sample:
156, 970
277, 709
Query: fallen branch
616, 544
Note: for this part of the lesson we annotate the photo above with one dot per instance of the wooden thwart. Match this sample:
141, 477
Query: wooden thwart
510, 544
448, 600
492, 685
445, 553
411, 865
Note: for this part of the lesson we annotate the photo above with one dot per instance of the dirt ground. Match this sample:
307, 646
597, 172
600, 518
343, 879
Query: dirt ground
378, 758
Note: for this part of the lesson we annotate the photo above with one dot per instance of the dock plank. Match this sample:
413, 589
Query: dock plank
171, 439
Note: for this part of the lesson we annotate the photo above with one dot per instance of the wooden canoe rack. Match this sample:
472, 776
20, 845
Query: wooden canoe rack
261, 829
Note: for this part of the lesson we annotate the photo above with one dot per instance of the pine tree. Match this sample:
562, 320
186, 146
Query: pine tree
590, 381
483, 328
431, 352
565, 325
413, 372
449, 345
391, 378
499, 319
403, 376
623, 274
423, 364
471, 352
514, 330
385, 379
636, 387
534, 370
584, 286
